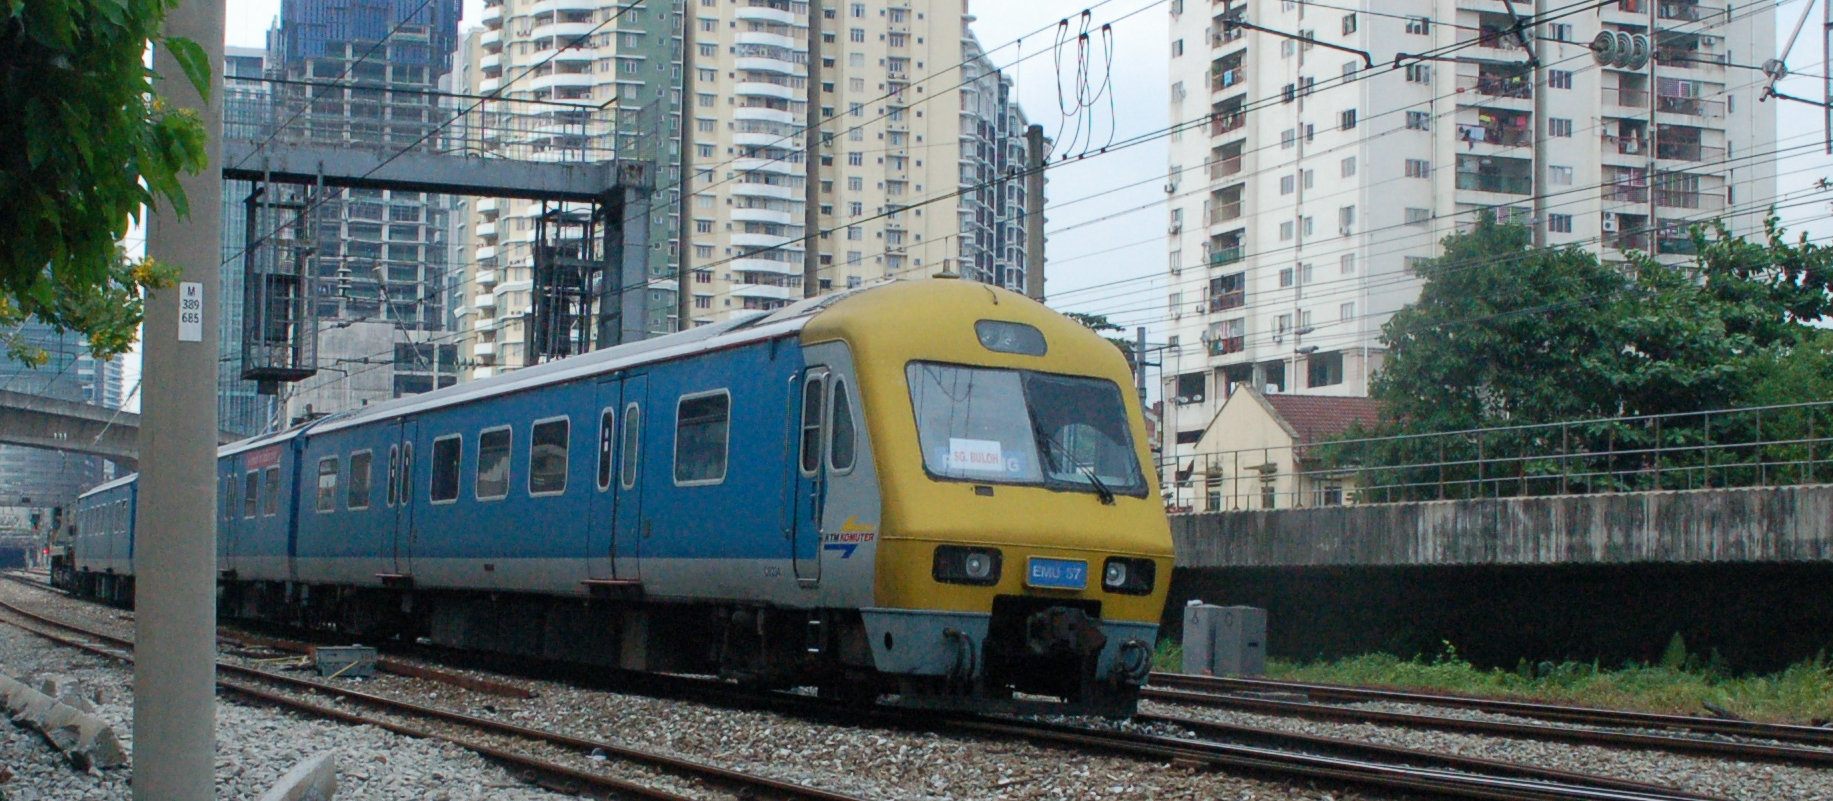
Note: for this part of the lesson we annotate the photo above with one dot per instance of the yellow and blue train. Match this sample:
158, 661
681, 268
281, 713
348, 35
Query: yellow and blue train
933, 489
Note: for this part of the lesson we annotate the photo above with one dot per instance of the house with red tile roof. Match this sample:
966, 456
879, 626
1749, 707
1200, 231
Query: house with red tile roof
1257, 453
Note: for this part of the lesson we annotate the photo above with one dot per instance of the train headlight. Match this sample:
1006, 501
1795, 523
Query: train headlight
1129, 576
959, 564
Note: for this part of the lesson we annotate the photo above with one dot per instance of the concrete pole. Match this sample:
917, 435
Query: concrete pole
684, 186
1034, 212
811, 160
175, 525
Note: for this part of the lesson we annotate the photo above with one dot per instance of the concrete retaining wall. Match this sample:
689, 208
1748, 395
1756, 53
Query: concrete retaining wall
1770, 524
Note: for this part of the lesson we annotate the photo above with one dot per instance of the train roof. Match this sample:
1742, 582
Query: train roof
108, 485
787, 321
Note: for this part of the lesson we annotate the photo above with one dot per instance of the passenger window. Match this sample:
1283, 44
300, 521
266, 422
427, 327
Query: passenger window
493, 464
251, 485
407, 472
841, 447
229, 506
547, 451
270, 494
358, 497
633, 429
327, 484
811, 422
448, 454
607, 431
701, 427
394, 474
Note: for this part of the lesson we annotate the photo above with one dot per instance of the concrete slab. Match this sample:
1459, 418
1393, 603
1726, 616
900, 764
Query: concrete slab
314, 779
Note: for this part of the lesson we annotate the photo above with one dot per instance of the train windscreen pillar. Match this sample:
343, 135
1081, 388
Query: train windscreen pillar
1225, 640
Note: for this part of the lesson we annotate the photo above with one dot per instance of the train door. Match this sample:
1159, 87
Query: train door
405, 533
808, 474
232, 515
601, 510
630, 529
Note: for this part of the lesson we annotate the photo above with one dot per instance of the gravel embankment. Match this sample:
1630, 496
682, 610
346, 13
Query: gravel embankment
255, 745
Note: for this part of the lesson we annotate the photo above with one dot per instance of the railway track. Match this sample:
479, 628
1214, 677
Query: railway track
1227, 693
1200, 744
503, 742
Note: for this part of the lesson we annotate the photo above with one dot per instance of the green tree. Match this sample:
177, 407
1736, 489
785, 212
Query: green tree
1099, 324
87, 143
1505, 334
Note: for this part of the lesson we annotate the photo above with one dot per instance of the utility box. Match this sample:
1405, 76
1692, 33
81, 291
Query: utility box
1225, 640
345, 661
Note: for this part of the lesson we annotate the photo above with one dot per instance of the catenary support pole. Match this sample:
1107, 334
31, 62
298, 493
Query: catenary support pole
811, 160
684, 245
175, 524
1034, 212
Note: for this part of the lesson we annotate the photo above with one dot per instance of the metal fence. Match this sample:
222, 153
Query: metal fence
1741, 447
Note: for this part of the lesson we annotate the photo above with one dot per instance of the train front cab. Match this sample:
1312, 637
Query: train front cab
1022, 547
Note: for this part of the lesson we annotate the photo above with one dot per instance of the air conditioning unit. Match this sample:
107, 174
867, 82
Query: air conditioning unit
1708, 41
1345, 231
1610, 223
1201, 308
1278, 337
1176, 226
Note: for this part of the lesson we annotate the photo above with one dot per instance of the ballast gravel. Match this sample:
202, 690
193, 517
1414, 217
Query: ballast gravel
256, 745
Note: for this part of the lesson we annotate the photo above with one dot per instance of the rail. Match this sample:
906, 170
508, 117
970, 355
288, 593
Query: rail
1739, 447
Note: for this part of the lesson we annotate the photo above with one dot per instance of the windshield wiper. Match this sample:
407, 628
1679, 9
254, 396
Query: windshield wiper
1101, 489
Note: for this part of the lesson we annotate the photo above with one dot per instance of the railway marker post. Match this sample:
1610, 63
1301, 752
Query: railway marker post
175, 521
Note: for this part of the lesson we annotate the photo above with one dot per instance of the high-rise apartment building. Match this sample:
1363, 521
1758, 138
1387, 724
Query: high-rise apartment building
1297, 210
911, 110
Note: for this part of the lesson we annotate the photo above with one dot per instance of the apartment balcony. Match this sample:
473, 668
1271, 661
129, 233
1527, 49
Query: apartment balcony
780, 192
1635, 101
775, 16
486, 324
485, 205
1675, 244
764, 292
493, 15
1690, 106
484, 350
564, 33
484, 300
1623, 193
1224, 168
754, 241
765, 89
1224, 212
757, 265
1227, 79
760, 139
486, 228
487, 278
488, 85
486, 252
1228, 300
1689, 151
1226, 345
1684, 11
1682, 199
557, 80
764, 216
491, 39
1497, 85
765, 114
761, 63
574, 55
767, 40
490, 62
778, 166
1225, 122
1500, 184
1222, 257
552, 6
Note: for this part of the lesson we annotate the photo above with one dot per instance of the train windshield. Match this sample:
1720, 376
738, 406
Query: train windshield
1024, 427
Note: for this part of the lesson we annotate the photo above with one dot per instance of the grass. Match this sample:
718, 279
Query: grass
1679, 684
